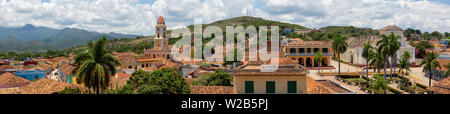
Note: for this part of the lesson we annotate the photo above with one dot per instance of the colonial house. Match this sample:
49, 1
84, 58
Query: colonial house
304, 51
288, 78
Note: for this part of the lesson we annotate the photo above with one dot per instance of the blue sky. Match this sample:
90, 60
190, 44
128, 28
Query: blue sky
139, 16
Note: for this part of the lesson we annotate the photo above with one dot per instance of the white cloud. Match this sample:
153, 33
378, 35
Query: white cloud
133, 17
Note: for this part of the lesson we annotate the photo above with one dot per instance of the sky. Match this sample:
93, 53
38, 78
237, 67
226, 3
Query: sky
139, 16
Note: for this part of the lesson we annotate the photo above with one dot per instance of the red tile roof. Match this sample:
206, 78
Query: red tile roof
211, 89
160, 19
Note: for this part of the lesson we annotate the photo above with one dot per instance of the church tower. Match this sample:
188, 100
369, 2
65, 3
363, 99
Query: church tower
161, 41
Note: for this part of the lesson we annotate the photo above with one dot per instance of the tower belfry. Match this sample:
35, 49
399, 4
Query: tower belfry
160, 40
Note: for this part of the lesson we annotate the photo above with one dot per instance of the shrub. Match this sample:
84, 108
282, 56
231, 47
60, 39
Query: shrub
69, 90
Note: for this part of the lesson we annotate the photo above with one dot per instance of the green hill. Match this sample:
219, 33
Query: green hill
349, 31
247, 21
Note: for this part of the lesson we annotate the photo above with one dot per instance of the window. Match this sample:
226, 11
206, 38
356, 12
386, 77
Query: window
249, 87
292, 86
270, 87
301, 50
316, 50
309, 50
292, 50
325, 50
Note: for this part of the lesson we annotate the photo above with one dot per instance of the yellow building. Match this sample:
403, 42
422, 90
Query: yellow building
289, 78
304, 51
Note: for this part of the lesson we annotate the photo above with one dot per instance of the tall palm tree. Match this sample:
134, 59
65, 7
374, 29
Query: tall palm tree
395, 46
431, 64
404, 65
378, 60
385, 47
318, 58
368, 55
96, 65
339, 46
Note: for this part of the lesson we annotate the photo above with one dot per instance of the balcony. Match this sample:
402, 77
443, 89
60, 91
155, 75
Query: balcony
309, 54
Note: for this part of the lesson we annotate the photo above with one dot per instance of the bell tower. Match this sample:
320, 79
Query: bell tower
160, 40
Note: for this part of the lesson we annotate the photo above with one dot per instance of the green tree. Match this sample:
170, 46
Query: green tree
96, 65
149, 89
404, 64
368, 55
436, 34
139, 78
219, 78
318, 58
170, 81
430, 64
388, 48
339, 46
379, 85
378, 60
448, 69
395, 46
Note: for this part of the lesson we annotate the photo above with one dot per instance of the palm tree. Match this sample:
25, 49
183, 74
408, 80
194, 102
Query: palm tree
368, 55
318, 58
379, 85
378, 60
96, 65
404, 65
339, 46
431, 64
395, 46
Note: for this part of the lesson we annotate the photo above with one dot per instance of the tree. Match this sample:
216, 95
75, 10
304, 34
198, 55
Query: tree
395, 44
436, 34
404, 64
149, 89
446, 34
430, 64
379, 85
139, 78
339, 46
385, 49
96, 65
318, 58
218, 78
170, 81
378, 60
448, 69
368, 55
426, 36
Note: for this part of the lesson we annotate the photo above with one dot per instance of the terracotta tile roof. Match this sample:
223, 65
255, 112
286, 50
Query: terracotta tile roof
118, 82
211, 89
391, 28
125, 53
8, 80
123, 75
441, 87
66, 69
46, 86
314, 87
358, 42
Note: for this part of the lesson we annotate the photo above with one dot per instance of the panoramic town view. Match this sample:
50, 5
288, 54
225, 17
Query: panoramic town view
134, 47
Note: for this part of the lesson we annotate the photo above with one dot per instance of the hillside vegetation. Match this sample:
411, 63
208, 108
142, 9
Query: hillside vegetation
349, 31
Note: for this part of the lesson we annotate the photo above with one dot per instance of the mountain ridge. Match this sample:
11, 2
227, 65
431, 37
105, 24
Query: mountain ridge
33, 38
